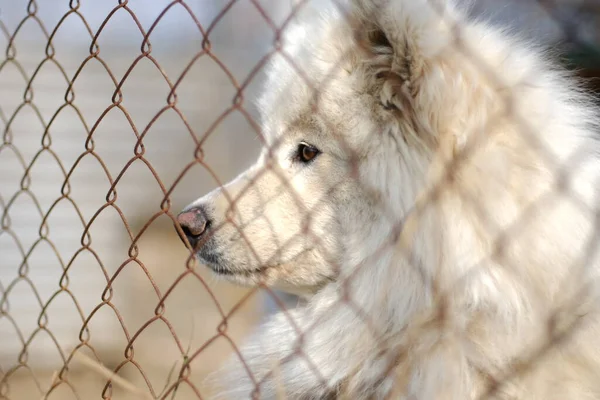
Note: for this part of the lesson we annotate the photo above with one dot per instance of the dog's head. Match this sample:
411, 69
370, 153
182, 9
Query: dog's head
352, 114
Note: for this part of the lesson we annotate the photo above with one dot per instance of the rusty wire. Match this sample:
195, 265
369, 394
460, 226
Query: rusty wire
238, 105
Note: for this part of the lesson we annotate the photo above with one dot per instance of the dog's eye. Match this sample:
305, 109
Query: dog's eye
306, 153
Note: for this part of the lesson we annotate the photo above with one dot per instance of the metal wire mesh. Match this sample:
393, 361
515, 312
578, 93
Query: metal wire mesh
86, 364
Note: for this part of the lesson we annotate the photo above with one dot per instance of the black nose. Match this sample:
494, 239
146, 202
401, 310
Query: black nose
194, 223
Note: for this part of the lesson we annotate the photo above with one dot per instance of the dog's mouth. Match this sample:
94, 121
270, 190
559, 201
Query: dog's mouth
220, 266
220, 270
269, 274
216, 263
225, 270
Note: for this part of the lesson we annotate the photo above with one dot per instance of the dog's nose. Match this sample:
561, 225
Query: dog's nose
194, 223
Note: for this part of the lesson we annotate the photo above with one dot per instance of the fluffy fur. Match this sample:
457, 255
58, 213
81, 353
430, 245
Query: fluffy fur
444, 235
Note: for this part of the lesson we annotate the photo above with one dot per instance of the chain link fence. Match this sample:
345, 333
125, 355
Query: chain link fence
116, 114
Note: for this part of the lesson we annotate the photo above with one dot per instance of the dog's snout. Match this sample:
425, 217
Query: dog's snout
194, 222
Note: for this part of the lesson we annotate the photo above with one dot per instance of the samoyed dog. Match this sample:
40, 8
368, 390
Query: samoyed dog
429, 185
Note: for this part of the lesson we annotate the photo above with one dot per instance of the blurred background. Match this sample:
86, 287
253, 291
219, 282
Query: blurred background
61, 121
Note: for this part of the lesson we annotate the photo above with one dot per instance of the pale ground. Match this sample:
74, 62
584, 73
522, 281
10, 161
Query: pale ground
191, 312
239, 42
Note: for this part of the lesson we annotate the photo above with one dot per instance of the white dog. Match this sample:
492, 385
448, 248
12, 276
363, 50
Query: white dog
429, 184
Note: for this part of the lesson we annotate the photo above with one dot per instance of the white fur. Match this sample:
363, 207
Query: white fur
441, 237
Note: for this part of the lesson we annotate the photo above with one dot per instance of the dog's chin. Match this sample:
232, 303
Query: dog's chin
239, 275
265, 276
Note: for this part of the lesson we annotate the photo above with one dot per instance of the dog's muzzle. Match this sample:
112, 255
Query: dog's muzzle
195, 224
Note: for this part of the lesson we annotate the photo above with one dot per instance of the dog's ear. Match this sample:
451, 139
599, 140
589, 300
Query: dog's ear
397, 39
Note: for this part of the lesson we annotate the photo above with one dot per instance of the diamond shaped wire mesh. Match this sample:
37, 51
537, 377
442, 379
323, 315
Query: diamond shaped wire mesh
114, 114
